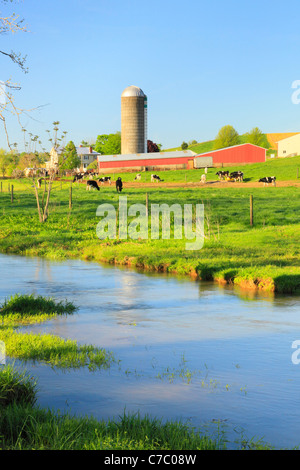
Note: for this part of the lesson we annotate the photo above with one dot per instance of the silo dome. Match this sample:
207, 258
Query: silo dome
133, 91
133, 121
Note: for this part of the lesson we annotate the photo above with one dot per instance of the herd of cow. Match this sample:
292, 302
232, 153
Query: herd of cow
239, 176
93, 184
222, 175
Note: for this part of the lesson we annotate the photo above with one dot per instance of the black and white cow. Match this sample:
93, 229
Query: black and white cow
105, 179
268, 180
222, 174
138, 176
90, 184
119, 185
78, 177
155, 178
237, 175
39, 182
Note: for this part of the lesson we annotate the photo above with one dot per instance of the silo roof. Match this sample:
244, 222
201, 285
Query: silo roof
133, 91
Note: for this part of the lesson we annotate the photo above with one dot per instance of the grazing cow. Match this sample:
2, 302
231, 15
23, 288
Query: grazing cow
39, 182
155, 178
138, 176
203, 178
90, 184
105, 179
222, 174
237, 175
119, 185
268, 180
78, 177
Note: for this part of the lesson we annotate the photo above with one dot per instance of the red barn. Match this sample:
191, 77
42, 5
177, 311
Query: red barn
151, 161
237, 154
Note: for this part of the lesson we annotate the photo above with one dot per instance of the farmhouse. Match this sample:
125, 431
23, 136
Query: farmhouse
289, 147
87, 155
149, 161
237, 154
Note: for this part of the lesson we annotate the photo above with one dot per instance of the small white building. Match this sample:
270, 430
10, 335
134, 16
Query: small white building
289, 147
86, 154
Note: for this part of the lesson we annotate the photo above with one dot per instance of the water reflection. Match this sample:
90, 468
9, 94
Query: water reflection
188, 350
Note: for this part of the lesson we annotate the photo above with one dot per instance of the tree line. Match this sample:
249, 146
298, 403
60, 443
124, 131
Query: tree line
228, 136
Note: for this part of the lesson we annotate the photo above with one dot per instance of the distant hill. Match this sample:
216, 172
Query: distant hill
204, 147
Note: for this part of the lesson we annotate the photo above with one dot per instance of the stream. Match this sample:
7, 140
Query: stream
214, 357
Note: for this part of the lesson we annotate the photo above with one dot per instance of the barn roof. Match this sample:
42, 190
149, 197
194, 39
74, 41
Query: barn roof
85, 151
147, 156
231, 147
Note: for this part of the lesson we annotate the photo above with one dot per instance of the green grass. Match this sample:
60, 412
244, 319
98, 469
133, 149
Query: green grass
53, 350
27, 428
48, 349
16, 387
265, 256
32, 309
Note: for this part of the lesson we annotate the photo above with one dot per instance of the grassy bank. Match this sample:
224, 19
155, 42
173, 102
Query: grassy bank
262, 256
27, 428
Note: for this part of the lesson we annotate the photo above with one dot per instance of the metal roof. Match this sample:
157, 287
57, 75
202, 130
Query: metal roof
86, 151
79, 150
133, 91
229, 148
146, 156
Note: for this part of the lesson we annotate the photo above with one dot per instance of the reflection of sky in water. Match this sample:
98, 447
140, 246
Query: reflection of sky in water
237, 345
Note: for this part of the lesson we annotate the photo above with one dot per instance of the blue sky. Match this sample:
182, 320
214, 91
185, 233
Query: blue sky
202, 65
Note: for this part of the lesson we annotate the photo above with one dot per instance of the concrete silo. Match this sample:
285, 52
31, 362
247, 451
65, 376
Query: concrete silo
133, 121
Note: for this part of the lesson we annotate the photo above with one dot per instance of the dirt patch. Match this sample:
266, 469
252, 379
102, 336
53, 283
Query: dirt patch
215, 184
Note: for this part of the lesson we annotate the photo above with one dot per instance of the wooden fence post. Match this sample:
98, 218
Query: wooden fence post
147, 203
12, 193
70, 197
251, 209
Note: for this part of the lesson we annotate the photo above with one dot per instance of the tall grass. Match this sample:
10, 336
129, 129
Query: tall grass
16, 387
53, 350
32, 309
49, 349
23, 428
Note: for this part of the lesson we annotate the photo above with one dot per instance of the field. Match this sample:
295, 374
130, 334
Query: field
262, 256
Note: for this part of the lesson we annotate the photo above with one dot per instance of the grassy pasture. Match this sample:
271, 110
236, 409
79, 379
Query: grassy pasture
284, 170
265, 256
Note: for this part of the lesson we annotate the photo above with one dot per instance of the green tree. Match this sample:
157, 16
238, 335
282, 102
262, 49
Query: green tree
184, 146
256, 137
227, 137
100, 142
5, 161
108, 144
69, 158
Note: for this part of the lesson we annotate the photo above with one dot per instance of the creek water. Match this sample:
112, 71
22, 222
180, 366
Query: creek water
212, 357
